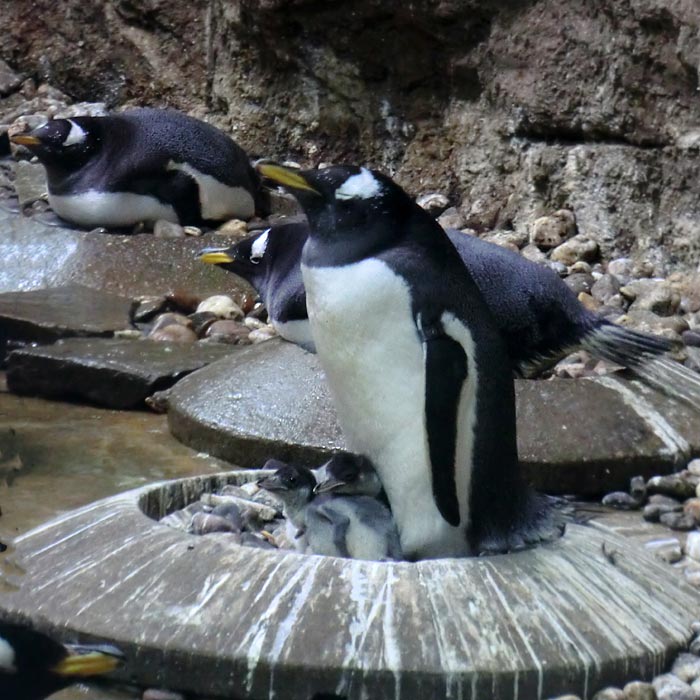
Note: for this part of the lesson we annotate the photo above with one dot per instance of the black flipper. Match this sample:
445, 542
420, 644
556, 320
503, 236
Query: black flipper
446, 369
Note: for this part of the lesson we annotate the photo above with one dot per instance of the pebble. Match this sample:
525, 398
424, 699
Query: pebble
433, 202
653, 295
254, 324
222, 306
580, 247
692, 508
206, 523
231, 332
638, 488
234, 227
202, 321
9, 80
694, 647
605, 288
692, 545
621, 500
148, 307
507, 239
589, 302
533, 253
671, 485
173, 333
171, 319
692, 576
691, 338
193, 231
669, 551
686, 667
261, 335
30, 182
581, 266
677, 521
261, 510
551, 231
579, 282
609, 693
637, 690
694, 467
620, 269
128, 334
669, 687
451, 218
168, 229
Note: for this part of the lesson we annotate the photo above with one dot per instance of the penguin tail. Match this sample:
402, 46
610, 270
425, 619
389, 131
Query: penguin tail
646, 357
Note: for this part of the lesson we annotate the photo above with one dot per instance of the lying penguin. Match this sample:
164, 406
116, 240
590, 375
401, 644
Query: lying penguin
143, 165
539, 316
33, 666
417, 367
357, 527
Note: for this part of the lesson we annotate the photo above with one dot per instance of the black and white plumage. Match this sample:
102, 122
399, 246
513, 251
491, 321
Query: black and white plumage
33, 666
350, 475
143, 165
539, 317
419, 373
357, 527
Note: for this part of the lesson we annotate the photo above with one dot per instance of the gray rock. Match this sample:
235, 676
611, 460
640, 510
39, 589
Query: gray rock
653, 511
621, 270
507, 239
109, 372
533, 253
171, 318
580, 247
609, 693
694, 467
551, 231
638, 488
692, 508
637, 690
231, 332
691, 338
433, 202
652, 295
649, 322
669, 551
605, 288
671, 485
148, 307
677, 521
686, 667
621, 500
694, 648
692, 545
669, 687
579, 282
9, 80
451, 218
30, 182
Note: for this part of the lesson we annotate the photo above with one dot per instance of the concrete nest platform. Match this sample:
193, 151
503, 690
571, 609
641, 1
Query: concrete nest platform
204, 615
582, 436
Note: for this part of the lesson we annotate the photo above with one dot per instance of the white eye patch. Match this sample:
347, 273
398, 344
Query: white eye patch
7, 657
259, 247
361, 186
75, 135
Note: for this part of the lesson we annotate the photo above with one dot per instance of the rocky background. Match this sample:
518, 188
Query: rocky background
513, 109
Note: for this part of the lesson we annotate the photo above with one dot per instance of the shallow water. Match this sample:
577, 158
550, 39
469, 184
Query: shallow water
55, 457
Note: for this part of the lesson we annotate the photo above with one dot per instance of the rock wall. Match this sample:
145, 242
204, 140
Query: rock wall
513, 108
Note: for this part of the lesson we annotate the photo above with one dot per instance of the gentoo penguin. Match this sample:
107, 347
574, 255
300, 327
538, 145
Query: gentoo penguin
417, 368
33, 666
348, 474
143, 165
539, 317
357, 527
270, 261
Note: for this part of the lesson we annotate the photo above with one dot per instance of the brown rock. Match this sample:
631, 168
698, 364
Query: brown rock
580, 247
692, 508
550, 231
170, 319
174, 333
231, 332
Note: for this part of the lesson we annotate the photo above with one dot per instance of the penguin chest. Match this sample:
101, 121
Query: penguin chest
363, 326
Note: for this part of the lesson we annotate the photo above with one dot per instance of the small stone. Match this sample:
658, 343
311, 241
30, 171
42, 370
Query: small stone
621, 501
589, 302
160, 694
167, 229
230, 512
235, 228
451, 218
254, 324
507, 239
671, 485
201, 321
206, 523
221, 305
148, 307
637, 690
609, 693
692, 576
668, 550
677, 521
692, 545
692, 508
605, 288
649, 322
561, 269
261, 335
580, 247
662, 500
621, 270
551, 231
691, 338
581, 267
638, 488
128, 334
173, 333
579, 282
433, 202
694, 648
694, 467
686, 667
695, 627
533, 253
9, 80
30, 182
230, 332
669, 687
170, 319
193, 231
652, 295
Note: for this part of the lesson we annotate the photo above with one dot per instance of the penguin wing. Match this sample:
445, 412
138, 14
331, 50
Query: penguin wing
446, 369
326, 517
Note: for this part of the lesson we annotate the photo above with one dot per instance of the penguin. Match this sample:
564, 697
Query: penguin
143, 165
538, 315
270, 262
350, 475
33, 666
356, 527
418, 370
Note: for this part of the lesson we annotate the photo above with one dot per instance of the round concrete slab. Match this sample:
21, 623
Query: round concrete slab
574, 436
202, 614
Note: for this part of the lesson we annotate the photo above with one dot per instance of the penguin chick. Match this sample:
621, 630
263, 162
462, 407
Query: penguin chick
271, 262
294, 486
33, 666
539, 317
143, 165
354, 527
348, 474
417, 367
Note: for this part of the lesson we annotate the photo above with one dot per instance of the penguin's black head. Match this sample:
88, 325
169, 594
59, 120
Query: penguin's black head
63, 143
289, 478
346, 201
246, 258
33, 665
349, 474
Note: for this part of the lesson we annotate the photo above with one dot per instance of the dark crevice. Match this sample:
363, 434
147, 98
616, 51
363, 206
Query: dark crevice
573, 137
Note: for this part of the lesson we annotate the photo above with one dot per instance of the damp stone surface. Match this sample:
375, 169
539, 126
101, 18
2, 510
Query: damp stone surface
583, 436
205, 615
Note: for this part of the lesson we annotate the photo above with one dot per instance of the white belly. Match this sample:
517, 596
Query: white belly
367, 342
110, 209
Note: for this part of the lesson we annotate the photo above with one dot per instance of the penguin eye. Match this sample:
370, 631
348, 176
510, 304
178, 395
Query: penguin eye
255, 259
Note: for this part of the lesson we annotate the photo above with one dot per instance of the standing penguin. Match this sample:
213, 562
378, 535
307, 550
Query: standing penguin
419, 373
144, 165
539, 317
33, 666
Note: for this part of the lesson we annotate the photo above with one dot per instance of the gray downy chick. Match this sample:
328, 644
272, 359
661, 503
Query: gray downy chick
348, 475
